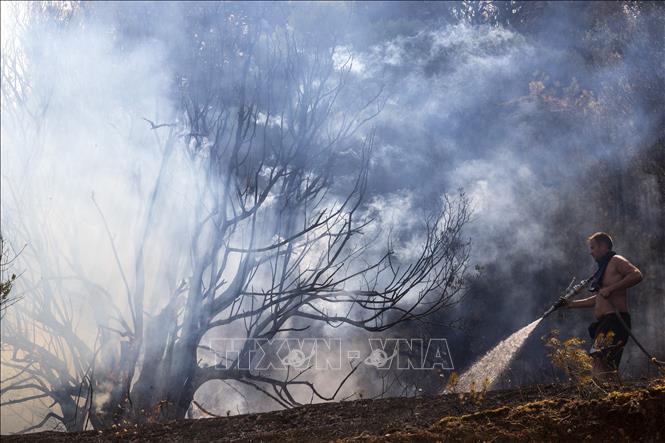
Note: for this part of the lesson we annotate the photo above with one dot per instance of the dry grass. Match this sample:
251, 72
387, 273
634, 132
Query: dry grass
635, 415
631, 412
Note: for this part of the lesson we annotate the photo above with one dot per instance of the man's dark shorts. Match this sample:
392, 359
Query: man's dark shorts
609, 337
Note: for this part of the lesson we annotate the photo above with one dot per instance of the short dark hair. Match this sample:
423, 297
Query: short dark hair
601, 237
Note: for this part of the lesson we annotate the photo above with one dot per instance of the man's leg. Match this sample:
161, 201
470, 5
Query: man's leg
610, 340
599, 369
605, 363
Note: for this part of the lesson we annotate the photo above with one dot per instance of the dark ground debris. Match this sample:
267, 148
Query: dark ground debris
632, 412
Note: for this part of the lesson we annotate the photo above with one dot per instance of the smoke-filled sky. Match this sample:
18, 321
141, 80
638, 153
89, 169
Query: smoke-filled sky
514, 105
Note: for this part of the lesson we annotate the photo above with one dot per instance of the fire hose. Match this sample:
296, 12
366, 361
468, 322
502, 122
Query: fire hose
652, 359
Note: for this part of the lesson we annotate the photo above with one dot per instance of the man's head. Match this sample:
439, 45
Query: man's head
600, 244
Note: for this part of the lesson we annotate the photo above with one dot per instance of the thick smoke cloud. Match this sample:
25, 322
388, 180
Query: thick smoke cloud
522, 121
518, 117
95, 150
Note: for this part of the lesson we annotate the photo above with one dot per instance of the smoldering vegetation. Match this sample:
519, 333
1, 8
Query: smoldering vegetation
175, 174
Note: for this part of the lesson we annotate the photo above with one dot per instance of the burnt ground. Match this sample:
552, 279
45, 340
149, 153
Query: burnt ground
634, 411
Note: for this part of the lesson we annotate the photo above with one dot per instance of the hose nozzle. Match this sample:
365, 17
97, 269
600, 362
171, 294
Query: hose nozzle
572, 290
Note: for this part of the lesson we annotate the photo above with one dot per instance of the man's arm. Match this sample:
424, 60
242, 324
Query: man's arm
629, 273
588, 302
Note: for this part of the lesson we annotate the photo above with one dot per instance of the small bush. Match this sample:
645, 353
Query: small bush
569, 356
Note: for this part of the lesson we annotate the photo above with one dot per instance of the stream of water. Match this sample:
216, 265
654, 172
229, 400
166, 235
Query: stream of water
487, 369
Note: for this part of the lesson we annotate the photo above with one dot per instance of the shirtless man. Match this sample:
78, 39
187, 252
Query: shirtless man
614, 276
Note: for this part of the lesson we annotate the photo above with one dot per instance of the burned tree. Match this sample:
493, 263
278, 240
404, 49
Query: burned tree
277, 241
7, 278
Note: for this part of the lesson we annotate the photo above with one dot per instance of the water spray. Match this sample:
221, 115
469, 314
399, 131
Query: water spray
487, 369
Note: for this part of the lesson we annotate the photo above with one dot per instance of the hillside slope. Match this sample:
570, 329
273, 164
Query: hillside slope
633, 412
